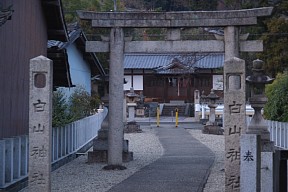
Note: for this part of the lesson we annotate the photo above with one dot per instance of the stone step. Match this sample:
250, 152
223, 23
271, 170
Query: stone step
166, 111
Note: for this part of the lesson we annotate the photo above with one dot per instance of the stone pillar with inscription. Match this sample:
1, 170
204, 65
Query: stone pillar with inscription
40, 124
234, 120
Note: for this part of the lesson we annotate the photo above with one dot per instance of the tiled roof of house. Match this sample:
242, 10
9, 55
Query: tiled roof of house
154, 61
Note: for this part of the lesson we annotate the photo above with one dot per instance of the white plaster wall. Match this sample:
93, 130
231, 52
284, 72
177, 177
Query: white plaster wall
128, 85
79, 70
137, 82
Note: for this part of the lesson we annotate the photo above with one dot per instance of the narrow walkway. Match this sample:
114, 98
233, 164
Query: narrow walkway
184, 167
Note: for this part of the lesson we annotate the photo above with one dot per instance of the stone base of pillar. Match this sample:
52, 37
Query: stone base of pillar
127, 156
101, 156
132, 127
100, 152
98, 156
212, 129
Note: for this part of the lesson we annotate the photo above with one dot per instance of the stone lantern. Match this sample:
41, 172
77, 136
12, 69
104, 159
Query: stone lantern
211, 98
132, 99
211, 127
258, 99
131, 125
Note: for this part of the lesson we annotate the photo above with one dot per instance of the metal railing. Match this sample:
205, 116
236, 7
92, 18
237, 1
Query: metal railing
67, 140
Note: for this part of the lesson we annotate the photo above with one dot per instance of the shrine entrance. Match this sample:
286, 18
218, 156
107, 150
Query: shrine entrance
231, 45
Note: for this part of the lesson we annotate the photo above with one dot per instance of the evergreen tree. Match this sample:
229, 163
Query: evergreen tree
70, 7
276, 40
60, 114
277, 105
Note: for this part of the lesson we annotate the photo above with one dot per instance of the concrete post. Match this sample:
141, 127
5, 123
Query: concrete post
116, 76
197, 105
250, 163
40, 124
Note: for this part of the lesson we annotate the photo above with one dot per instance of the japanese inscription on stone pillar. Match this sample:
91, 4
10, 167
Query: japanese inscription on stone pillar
234, 120
40, 124
250, 163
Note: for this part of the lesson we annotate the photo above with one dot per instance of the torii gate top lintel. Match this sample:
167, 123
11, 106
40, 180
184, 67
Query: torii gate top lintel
175, 19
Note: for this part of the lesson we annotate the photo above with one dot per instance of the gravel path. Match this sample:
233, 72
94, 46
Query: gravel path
216, 179
78, 176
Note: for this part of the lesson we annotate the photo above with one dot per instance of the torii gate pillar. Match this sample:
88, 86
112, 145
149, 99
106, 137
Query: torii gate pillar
231, 39
116, 76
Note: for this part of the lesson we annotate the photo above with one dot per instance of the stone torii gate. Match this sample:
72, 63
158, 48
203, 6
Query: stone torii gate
173, 21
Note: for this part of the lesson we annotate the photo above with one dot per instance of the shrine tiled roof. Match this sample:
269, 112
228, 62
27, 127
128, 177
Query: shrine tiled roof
155, 61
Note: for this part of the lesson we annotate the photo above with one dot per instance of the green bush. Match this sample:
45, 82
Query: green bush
79, 105
276, 109
60, 114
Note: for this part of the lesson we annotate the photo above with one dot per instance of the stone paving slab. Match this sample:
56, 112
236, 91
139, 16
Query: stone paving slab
184, 166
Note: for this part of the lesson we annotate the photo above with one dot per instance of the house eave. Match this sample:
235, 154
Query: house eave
56, 28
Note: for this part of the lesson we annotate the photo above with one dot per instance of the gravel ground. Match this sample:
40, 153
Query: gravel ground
78, 176
216, 179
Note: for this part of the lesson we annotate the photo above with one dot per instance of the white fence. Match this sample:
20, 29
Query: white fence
204, 110
65, 141
278, 132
